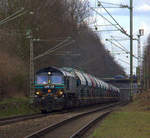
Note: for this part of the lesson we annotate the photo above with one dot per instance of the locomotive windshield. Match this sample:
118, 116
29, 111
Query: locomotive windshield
53, 78
42, 78
56, 79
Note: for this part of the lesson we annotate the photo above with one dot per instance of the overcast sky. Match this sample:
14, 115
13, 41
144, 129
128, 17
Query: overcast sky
141, 21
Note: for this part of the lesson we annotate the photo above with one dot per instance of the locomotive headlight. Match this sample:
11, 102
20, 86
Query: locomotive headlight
37, 93
49, 73
60, 92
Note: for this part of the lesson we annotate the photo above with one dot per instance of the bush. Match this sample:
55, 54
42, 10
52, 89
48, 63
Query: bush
12, 76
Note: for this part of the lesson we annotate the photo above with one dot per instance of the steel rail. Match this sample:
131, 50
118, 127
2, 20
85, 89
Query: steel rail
52, 127
19, 118
81, 132
85, 128
9, 120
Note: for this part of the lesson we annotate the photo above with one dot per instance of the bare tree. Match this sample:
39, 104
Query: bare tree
52, 20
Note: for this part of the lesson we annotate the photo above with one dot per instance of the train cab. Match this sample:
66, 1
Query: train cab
50, 87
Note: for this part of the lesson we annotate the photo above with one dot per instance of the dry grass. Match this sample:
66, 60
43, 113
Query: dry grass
124, 125
16, 106
141, 102
131, 121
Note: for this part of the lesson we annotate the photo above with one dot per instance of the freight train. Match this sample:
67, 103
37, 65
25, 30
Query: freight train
60, 88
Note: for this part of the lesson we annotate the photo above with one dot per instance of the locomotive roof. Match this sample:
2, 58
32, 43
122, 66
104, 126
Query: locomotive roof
81, 77
84, 77
55, 69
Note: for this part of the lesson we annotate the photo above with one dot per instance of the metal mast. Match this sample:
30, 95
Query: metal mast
141, 33
31, 68
131, 47
30, 37
139, 51
139, 62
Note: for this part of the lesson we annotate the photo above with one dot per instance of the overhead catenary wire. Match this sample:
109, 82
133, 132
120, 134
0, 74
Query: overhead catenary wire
119, 43
120, 39
109, 3
110, 19
106, 30
114, 4
121, 48
118, 46
58, 46
126, 62
13, 18
111, 7
121, 28
12, 15
106, 19
52, 51
105, 25
119, 53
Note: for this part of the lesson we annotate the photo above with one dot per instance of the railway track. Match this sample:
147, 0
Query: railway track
86, 127
74, 126
9, 120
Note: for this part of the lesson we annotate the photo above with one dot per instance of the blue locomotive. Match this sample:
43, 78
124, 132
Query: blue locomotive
59, 88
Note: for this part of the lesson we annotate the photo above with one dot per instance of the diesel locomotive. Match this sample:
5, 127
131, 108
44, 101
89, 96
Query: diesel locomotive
59, 88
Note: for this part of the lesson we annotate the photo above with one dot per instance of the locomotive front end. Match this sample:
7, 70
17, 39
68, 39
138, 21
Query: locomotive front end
49, 90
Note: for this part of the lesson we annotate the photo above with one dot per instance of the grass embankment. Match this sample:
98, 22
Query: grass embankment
15, 107
131, 121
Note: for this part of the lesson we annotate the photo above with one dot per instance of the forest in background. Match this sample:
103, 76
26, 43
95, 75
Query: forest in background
52, 20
